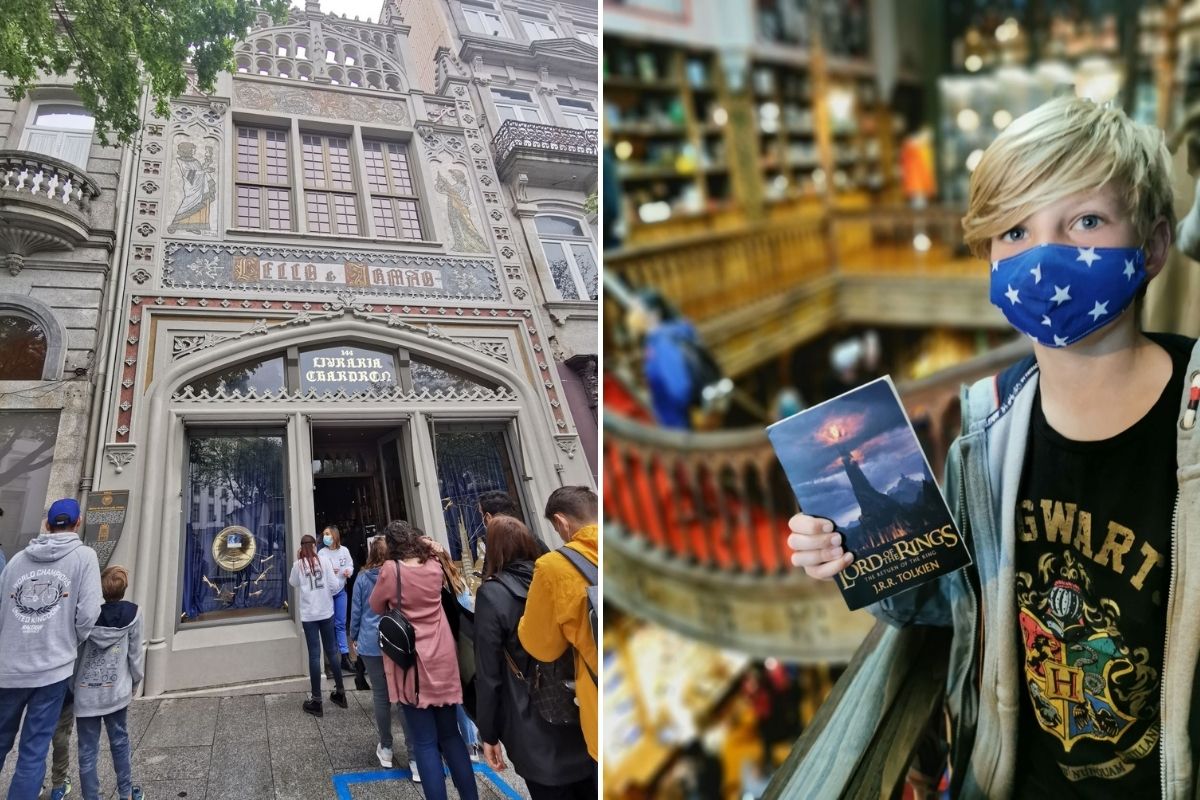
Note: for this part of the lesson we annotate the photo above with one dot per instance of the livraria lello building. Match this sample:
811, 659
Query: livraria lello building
356, 283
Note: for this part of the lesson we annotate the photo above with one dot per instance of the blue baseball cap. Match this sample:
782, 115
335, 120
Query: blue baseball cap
63, 512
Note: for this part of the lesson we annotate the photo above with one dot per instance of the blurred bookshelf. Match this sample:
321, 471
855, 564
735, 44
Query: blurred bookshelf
704, 144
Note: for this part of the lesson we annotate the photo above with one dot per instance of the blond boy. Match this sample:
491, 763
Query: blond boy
1074, 481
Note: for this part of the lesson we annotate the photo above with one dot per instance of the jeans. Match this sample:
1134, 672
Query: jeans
40, 707
339, 621
60, 768
317, 634
466, 727
89, 750
435, 737
586, 789
383, 706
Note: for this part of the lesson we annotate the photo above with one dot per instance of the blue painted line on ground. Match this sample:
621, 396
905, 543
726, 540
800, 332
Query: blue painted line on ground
344, 780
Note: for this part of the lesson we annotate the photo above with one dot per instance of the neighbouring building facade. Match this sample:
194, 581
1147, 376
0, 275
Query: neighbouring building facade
328, 310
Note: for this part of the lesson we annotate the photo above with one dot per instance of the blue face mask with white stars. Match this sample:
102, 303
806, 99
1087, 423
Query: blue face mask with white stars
1058, 294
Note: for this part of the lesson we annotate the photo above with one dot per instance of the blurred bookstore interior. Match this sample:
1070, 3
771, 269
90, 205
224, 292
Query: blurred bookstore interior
783, 187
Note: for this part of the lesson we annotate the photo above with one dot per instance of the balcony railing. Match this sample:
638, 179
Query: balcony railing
44, 177
516, 138
45, 204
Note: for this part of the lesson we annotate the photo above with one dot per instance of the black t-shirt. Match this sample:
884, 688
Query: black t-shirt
1092, 559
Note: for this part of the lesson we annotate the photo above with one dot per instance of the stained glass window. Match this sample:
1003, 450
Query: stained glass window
471, 459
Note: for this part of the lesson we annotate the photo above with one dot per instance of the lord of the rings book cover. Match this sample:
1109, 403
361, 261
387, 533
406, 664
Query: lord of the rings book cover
855, 460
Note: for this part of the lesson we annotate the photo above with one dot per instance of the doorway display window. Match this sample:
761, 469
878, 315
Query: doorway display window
472, 458
26, 455
261, 376
235, 560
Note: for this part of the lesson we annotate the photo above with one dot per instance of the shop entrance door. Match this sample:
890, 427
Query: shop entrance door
359, 481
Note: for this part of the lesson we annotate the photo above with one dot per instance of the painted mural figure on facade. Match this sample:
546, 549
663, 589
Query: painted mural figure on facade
198, 189
458, 208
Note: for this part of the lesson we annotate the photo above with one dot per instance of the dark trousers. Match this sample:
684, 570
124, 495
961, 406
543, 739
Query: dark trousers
40, 707
586, 789
435, 737
317, 634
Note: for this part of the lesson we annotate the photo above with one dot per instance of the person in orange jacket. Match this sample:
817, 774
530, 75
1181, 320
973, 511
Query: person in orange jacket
557, 612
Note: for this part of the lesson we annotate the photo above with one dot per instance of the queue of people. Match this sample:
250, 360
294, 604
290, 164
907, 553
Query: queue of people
71, 650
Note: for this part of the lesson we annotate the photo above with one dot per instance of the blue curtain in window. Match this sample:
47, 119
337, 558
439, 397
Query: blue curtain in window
235, 480
468, 464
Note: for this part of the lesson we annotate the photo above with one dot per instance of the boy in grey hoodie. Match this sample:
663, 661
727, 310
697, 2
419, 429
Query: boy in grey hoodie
49, 601
111, 665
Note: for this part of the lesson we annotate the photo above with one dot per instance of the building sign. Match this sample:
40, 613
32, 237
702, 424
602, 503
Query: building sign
103, 521
252, 269
192, 265
350, 369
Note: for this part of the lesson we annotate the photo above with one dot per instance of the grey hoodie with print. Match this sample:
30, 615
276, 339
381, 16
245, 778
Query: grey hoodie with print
111, 662
49, 601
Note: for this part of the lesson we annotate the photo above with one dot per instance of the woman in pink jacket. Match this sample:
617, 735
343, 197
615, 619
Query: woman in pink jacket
428, 705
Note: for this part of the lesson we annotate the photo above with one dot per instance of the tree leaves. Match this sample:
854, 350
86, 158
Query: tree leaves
113, 50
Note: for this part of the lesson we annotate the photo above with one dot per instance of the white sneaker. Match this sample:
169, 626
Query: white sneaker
416, 774
384, 754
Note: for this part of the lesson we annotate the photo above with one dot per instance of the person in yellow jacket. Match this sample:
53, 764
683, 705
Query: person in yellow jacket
556, 612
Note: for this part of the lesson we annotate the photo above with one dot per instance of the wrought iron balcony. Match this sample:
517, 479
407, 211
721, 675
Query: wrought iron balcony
45, 204
547, 154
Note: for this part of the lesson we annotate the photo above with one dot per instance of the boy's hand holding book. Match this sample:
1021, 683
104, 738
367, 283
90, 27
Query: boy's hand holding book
817, 547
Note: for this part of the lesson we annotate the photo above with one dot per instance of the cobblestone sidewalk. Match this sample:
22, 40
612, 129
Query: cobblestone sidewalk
255, 747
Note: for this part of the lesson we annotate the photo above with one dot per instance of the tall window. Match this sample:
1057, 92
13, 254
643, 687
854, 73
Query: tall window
538, 28
570, 255
578, 113
61, 130
516, 105
22, 348
331, 205
484, 19
264, 194
393, 198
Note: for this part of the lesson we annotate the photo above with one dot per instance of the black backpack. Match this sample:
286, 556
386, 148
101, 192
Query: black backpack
398, 639
551, 685
590, 573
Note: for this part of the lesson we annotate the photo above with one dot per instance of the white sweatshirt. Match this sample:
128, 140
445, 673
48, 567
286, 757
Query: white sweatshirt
340, 560
316, 589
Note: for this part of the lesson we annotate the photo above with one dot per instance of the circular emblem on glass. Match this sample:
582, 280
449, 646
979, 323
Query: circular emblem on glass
233, 549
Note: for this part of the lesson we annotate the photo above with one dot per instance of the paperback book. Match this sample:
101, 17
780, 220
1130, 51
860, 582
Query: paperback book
856, 461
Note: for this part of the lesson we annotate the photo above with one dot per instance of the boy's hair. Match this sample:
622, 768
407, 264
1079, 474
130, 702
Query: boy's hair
113, 583
1064, 146
574, 502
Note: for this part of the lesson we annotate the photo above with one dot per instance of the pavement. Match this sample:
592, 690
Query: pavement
259, 746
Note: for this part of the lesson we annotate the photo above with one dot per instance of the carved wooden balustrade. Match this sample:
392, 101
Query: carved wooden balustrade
45, 204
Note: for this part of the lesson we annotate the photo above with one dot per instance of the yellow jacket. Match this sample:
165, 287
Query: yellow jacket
556, 617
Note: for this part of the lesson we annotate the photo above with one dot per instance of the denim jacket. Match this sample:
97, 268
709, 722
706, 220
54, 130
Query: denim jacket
364, 623
983, 473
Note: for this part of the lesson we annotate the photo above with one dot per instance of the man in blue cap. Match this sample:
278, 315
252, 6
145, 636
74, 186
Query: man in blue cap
49, 602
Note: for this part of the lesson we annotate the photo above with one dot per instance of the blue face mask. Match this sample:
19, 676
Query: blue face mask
328, 541
1058, 294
